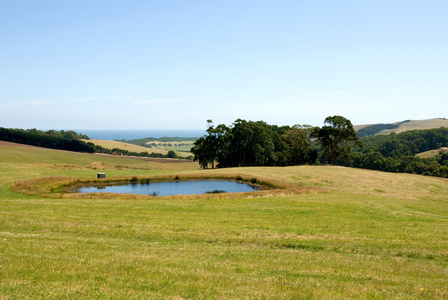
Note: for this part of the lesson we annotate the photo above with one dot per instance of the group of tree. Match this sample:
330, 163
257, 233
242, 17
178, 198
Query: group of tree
68, 140
64, 140
396, 152
249, 143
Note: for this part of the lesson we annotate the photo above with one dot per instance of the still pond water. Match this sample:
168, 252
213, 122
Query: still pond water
173, 188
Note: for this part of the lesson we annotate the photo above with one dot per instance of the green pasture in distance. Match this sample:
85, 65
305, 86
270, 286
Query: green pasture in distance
370, 235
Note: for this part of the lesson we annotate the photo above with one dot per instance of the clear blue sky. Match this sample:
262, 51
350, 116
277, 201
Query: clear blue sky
172, 64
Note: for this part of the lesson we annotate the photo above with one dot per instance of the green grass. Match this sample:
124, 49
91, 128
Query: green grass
370, 235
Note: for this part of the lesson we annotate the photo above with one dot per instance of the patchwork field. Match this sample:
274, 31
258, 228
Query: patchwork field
351, 234
158, 147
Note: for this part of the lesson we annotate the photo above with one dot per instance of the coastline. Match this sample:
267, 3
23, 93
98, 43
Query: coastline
130, 134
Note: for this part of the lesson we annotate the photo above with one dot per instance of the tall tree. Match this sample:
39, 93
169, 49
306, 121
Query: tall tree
207, 148
334, 137
300, 151
200, 150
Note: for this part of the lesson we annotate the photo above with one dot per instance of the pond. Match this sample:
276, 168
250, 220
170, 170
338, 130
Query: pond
174, 188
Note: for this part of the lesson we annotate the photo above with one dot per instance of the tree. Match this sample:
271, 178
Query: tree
200, 152
335, 136
300, 151
171, 154
207, 148
249, 143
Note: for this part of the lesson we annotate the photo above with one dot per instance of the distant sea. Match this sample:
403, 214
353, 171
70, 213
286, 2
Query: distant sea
125, 134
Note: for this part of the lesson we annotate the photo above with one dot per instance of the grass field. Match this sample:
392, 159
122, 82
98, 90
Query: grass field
357, 235
159, 148
182, 148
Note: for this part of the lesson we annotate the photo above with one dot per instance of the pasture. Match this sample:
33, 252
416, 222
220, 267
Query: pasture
348, 234
156, 147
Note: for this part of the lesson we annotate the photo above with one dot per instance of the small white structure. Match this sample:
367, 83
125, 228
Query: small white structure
101, 175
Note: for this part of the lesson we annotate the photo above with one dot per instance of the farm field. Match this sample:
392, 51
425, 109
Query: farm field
182, 148
355, 234
162, 148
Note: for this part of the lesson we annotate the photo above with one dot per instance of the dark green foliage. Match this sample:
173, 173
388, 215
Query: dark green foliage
145, 181
407, 143
215, 192
396, 152
335, 138
248, 143
171, 154
64, 140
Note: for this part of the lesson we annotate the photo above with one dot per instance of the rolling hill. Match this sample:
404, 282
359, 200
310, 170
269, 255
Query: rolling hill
134, 148
358, 234
398, 127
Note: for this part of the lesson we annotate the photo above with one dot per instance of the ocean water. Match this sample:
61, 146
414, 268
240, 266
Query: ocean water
125, 134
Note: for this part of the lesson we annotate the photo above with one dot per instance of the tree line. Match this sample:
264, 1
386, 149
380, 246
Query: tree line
249, 143
68, 140
396, 152
63, 140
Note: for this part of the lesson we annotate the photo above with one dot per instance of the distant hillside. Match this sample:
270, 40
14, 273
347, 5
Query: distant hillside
398, 127
107, 144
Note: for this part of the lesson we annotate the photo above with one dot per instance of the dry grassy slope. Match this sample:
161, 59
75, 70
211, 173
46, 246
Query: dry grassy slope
343, 180
421, 124
412, 125
359, 127
130, 147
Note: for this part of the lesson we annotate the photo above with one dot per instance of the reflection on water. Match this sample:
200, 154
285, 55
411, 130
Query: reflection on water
174, 188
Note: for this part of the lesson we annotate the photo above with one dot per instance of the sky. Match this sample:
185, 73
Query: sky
174, 64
